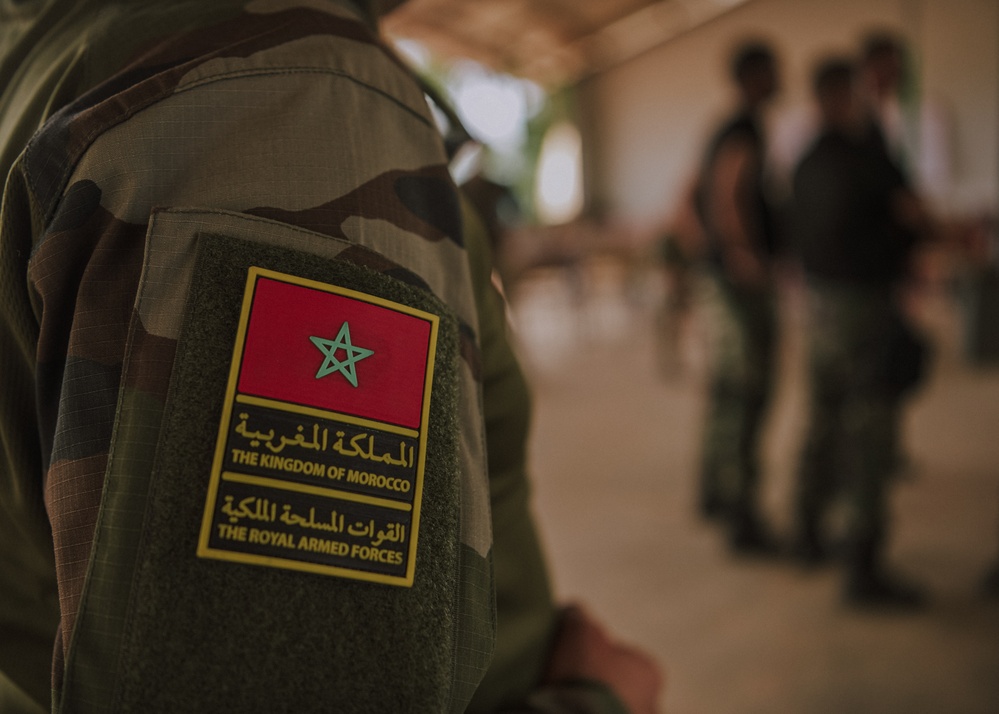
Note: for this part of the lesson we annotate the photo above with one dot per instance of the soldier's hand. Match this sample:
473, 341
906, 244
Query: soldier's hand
583, 649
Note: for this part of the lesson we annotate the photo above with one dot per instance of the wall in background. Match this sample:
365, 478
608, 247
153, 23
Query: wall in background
652, 115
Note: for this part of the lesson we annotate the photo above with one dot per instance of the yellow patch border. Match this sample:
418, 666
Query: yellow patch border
232, 398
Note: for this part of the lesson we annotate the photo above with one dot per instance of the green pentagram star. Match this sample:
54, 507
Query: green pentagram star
332, 364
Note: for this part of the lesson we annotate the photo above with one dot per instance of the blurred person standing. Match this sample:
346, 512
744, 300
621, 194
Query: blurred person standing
740, 307
913, 127
914, 134
880, 78
855, 223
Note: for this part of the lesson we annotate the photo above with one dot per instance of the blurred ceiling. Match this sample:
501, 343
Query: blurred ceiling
550, 41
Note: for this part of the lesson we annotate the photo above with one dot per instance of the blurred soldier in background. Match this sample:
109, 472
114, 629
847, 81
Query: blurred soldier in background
855, 222
741, 243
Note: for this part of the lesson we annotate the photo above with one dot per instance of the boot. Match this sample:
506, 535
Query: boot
990, 583
710, 503
748, 535
808, 548
711, 507
869, 585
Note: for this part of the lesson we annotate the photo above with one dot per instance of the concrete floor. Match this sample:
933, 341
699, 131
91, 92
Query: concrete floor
615, 443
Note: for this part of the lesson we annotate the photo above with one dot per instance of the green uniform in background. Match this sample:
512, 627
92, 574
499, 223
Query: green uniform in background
741, 321
742, 330
854, 252
261, 432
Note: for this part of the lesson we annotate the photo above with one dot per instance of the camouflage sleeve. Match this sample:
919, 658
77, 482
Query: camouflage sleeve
248, 326
248, 378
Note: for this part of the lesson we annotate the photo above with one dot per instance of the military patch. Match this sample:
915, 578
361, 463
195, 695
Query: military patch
321, 448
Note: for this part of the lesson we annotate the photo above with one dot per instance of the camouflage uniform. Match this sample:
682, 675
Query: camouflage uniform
849, 443
742, 327
854, 252
157, 154
742, 330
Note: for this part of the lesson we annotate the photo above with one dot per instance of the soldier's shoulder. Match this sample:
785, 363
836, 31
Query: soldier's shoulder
273, 52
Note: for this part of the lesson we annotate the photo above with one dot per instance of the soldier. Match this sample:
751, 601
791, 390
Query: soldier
250, 365
855, 223
741, 243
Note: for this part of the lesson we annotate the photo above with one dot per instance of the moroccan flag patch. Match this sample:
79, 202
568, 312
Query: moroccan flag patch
321, 448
